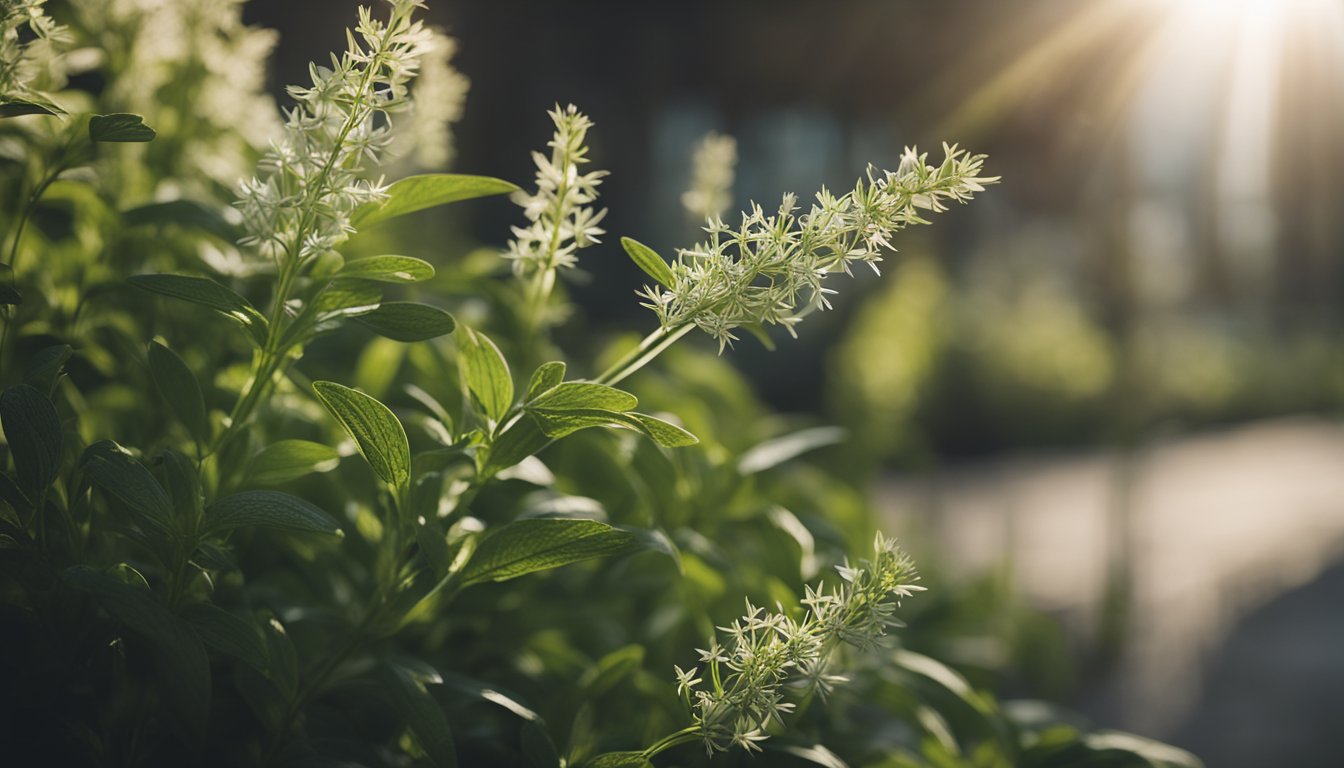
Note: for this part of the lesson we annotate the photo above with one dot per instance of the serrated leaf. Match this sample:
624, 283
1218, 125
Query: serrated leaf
388, 269
290, 459
228, 633
113, 468
33, 431
408, 321
416, 193
528, 546
207, 293
422, 714
779, 450
178, 386
119, 127
546, 376
45, 366
648, 260
486, 372
268, 509
377, 432
181, 656
576, 395
183, 213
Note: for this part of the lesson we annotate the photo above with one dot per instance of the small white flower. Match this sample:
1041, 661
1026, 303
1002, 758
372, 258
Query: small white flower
712, 171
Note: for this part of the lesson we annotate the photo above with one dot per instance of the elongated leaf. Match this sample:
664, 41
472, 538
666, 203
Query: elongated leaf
181, 656
19, 108
422, 715
115, 470
183, 213
388, 269
268, 509
119, 127
46, 366
486, 372
33, 431
546, 376
527, 546
490, 693
619, 760
178, 386
380, 437
416, 193
227, 633
408, 321
648, 260
573, 395
779, 450
557, 424
816, 754
290, 459
207, 293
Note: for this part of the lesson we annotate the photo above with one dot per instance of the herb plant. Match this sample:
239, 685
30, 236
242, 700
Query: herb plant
214, 550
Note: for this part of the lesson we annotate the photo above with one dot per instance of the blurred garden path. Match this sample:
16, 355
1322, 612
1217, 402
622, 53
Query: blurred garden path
1216, 525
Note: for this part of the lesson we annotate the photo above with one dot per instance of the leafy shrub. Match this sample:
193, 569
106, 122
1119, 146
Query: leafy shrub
213, 552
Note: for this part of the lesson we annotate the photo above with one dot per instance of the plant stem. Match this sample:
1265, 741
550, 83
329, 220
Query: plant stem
653, 345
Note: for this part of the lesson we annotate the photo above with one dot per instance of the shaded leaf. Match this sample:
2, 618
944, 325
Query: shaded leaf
408, 321
779, 450
183, 213
377, 432
207, 293
46, 366
119, 127
422, 714
268, 509
522, 439
527, 546
113, 468
289, 459
416, 193
611, 669
19, 108
178, 386
33, 432
228, 633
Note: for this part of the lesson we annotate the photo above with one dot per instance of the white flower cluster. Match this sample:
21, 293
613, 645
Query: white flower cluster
24, 62
424, 138
712, 167
767, 653
310, 181
761, 272
560, 211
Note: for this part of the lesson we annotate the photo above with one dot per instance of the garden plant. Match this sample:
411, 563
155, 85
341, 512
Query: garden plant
266, 501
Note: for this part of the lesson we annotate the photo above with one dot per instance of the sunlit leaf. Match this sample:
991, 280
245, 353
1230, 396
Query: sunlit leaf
376, 430
416, 193
527, 546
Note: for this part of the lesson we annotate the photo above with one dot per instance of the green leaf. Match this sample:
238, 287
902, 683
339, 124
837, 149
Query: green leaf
290, 459
9, 295
181, 656
388, 269
490, 693
619, 760
347, 298
522, 439
228, 633
46, 366
207, 293
611, 669
816, 754
380, 437
416, 193
33, 431
178, 386
113, 468
19, 108
779, 450
546, 376
119, 127
527, 546
183, 213
486, 373
421, 713
268, 509
408, 321
648, 260
577, 395
558, 424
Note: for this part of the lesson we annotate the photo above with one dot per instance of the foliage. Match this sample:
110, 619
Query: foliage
213, 551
